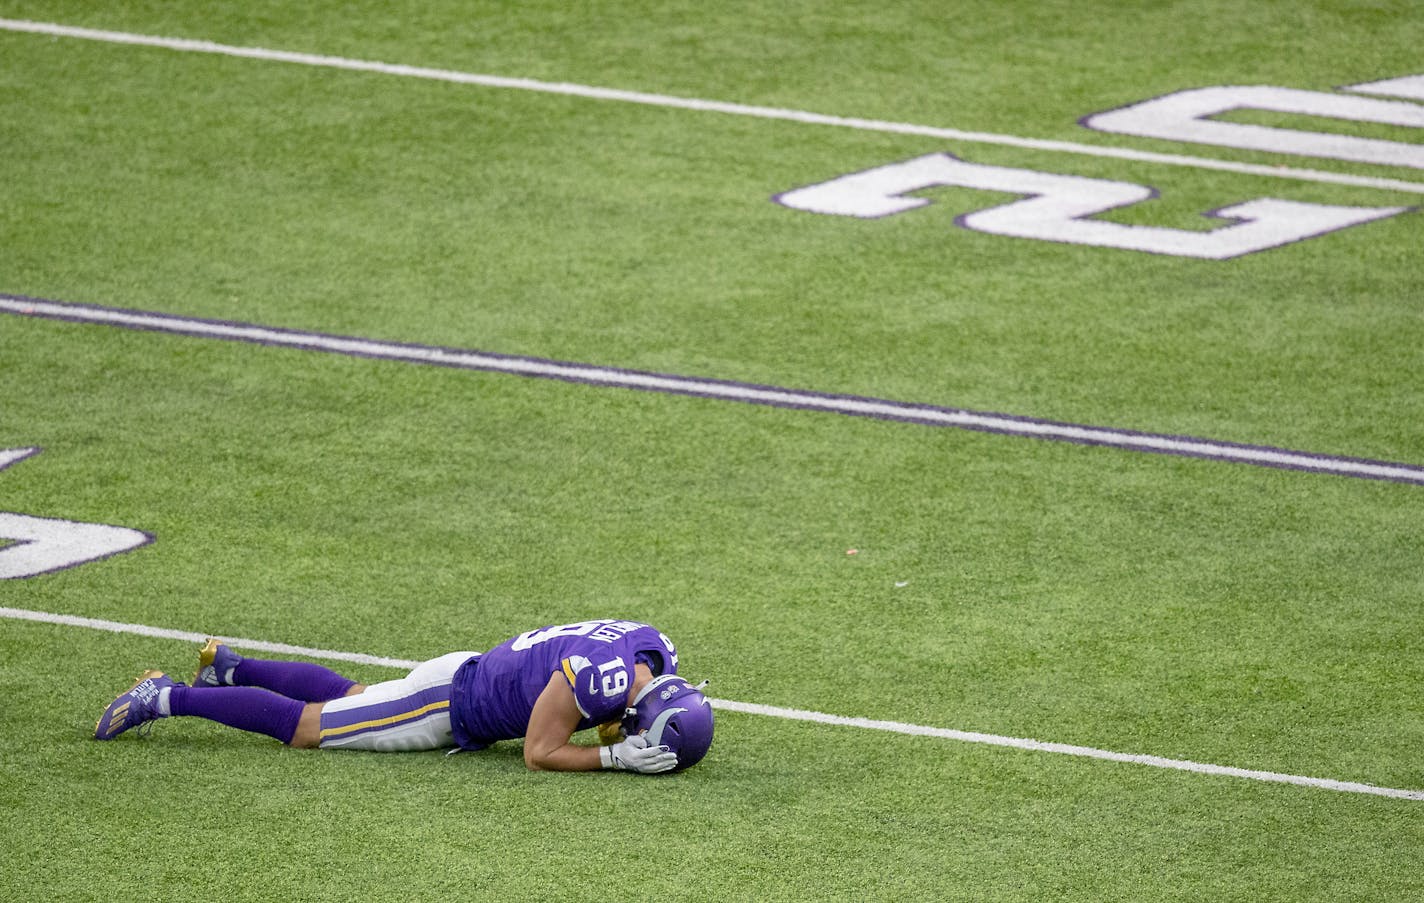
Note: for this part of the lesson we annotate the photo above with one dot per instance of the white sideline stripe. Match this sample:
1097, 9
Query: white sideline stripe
21, 614
749, 708
1088, 752
706, 106
681, 385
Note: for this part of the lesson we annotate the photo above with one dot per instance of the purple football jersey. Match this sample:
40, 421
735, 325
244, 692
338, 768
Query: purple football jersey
493, 694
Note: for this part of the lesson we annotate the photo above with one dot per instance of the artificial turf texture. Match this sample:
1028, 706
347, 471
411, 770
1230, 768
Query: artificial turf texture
1139, 603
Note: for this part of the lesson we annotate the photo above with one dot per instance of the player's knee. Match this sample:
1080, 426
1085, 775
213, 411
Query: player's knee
308, 733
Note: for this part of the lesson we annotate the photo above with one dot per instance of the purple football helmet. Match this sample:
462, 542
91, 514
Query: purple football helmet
671, 712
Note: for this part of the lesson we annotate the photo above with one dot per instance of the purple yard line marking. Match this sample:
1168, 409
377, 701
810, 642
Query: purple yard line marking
705, 106
771, 396
894, 727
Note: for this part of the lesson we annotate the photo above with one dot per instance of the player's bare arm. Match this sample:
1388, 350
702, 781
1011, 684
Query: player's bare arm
556, 717
551, 726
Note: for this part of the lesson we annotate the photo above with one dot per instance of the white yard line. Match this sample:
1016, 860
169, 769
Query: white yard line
726, 705
593, 92
773, 396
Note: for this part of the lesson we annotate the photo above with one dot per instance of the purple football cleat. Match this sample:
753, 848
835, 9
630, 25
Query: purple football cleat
215, 664
139, 705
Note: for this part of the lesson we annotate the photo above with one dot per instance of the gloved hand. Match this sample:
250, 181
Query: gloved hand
610, 733
634, 754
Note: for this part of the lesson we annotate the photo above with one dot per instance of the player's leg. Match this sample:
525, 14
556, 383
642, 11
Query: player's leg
219, 666
407, 714
250, 709
412, 713
154, 695
308, 732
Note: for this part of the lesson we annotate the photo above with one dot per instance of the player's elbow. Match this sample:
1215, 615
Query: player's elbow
535, 760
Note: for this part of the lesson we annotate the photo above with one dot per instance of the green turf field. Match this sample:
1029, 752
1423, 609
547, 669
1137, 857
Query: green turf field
1244, 617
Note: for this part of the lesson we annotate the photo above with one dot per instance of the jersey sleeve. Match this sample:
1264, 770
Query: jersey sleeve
600, 681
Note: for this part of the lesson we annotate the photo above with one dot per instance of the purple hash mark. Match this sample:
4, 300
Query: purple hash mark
725, 390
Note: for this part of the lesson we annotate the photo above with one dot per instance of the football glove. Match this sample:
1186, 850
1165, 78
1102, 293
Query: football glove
634, 754
610, 733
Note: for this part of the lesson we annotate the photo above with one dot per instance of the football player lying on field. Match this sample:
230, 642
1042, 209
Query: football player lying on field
544, 685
